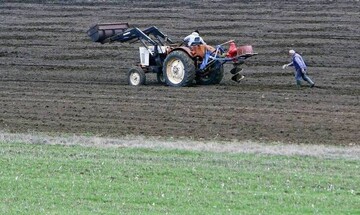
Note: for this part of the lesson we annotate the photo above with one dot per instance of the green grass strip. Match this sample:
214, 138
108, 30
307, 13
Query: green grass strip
57, 179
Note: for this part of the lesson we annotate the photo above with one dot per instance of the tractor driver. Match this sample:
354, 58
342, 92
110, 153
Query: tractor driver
194, 39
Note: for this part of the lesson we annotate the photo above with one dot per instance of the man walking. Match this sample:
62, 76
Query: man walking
300, 68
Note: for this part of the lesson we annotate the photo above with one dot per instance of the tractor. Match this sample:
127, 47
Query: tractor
175, 64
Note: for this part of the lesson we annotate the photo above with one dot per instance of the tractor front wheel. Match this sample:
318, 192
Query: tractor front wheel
136, 76
178, 69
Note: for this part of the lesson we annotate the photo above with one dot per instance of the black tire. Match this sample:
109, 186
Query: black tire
136, 76
215, 74
160, 78
178, 69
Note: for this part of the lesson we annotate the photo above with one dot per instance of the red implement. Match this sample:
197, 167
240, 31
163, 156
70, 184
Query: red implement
244, 50
232, 50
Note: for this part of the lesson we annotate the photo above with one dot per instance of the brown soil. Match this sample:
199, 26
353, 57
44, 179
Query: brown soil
54, 79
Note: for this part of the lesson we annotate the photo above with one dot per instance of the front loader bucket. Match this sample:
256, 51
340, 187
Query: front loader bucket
100, 32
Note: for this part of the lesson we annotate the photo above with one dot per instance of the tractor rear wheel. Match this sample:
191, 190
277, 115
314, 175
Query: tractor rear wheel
178, 69
214, 75
136, 76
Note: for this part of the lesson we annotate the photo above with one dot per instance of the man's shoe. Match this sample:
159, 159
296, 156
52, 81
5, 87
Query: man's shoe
313, 85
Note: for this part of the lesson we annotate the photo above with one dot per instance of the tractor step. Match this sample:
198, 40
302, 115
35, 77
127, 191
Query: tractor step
100, 32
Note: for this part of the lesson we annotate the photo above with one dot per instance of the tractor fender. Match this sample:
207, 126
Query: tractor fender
195, 51
185, 49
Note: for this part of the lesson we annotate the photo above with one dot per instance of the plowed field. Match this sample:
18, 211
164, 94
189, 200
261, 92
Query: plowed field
53, 78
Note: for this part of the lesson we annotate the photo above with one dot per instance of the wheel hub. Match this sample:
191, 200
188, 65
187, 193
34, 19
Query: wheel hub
135, 78
175, 71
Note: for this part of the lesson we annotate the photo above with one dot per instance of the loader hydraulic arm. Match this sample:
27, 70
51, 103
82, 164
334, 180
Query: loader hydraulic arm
158, 34
137, 34
132, 34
